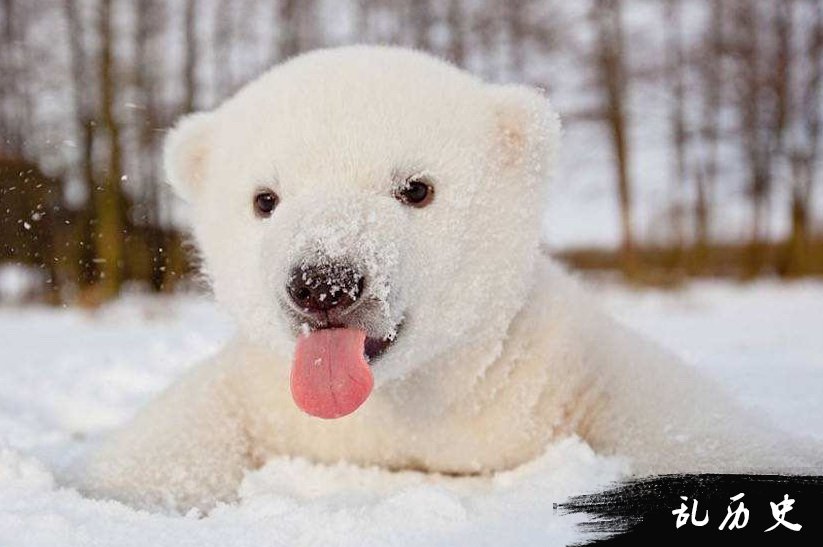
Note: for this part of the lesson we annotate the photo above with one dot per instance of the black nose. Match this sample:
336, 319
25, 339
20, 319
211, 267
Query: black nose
321, 288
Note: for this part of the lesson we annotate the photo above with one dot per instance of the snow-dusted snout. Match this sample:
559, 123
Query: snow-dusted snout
337, 263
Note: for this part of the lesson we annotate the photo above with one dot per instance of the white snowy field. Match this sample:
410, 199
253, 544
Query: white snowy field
67, 376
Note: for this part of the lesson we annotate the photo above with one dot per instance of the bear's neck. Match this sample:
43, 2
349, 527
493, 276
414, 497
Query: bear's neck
477, 372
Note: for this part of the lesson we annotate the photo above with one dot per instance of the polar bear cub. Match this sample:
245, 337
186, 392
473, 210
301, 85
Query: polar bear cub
370, 217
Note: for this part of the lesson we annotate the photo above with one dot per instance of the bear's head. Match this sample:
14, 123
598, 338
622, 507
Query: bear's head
366, 212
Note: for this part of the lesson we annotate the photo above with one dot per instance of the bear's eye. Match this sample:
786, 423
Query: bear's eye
416, 191
264, 203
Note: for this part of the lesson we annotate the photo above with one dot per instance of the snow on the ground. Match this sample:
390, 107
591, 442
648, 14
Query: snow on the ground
69, 375
763, 342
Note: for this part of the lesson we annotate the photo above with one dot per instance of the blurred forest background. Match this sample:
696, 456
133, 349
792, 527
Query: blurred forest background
693, 127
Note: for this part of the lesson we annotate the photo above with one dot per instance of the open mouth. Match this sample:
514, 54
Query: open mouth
373, 347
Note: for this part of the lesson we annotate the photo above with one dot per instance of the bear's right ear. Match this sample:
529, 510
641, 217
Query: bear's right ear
186, 152
527, 125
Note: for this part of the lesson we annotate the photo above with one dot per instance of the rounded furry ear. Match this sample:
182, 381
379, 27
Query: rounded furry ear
185, 153
528, 127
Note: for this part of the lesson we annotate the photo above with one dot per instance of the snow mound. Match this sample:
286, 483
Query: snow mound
291, 501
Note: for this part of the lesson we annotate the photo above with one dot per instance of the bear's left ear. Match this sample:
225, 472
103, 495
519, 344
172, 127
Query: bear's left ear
528, 128
185, 153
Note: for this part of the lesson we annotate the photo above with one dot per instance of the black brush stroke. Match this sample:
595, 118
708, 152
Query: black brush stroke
639, 511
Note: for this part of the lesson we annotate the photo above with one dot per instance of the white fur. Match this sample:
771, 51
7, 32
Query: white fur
499, 354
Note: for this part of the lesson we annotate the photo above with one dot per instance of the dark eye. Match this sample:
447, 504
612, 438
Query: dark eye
264, 203
415, 192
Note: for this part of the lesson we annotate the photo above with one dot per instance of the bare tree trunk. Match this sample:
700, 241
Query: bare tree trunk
516, 34
223, 70
779, 85
148, 17
487, 29
713, 88
677, 117
287, 44
421, 22
6, 78
766, 103
782, 75
108, 198
751, 88
612, 77
78, 60
457, 32
805, 156
11, 105
362, 16
190, 67
25, 79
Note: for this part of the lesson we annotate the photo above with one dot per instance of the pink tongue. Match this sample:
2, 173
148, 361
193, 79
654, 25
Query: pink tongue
330, 376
